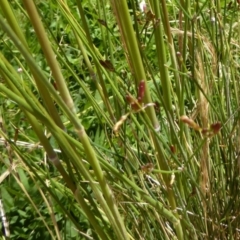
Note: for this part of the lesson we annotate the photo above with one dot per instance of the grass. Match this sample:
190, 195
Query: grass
118, 123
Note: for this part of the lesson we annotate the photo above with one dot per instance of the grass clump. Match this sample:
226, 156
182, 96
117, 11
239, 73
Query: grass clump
119, 120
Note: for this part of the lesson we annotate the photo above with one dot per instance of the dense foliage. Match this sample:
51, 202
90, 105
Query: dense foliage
119, 119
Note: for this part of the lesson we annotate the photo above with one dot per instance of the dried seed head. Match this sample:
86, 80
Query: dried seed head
215, 127
190, 123
147, 168
119, 123
173, 149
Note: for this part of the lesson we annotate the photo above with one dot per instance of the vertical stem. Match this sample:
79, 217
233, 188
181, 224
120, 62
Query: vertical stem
132, 50
129, 38
49, 54
162, 59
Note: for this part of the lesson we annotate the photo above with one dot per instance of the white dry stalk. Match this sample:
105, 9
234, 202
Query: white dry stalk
25, 144
4, 220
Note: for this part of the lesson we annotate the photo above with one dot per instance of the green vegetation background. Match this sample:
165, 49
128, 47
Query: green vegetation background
119, 120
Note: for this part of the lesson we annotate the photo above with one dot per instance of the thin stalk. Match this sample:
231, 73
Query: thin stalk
96, 55
91, 156
109, 48
179, 84
90, 216
16, 176
7, 11
40, 75
129, 38
173, 54
162, 58
53, 158
121, 10
99, 74
89, 66
49, 54
112, 213
16, 33
79, 198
